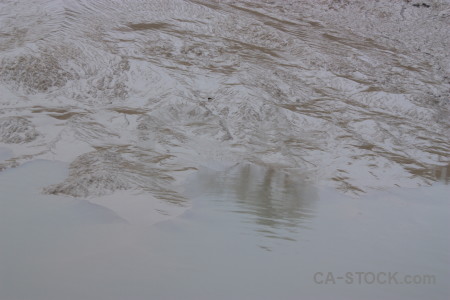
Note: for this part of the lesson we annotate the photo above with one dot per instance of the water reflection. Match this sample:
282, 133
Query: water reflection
278, 203
442, 173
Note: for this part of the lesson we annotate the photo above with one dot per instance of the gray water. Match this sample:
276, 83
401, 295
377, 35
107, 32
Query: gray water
252, 233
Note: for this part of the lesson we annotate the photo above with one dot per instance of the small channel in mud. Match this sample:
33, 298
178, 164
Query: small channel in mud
5, 153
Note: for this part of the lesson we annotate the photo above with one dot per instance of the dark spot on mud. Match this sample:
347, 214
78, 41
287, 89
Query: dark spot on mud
421, 5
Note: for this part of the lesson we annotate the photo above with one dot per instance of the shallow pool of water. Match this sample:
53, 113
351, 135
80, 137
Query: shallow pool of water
258, 234
252, 233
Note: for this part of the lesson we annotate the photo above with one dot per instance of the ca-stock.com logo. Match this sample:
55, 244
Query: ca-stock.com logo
368, 278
